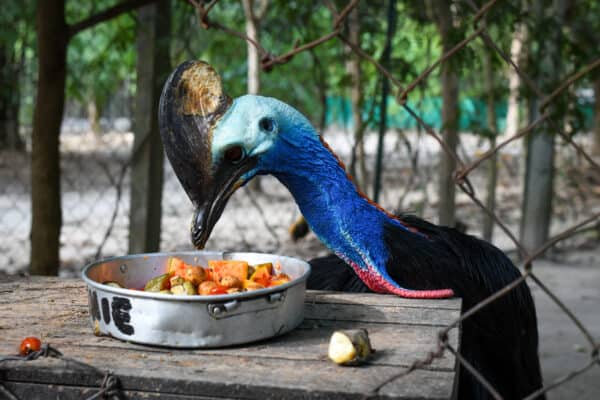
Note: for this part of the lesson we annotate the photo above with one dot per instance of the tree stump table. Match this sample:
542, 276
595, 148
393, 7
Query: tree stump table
291, 366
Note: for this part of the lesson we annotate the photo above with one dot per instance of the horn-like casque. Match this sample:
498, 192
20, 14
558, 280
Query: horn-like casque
191, 103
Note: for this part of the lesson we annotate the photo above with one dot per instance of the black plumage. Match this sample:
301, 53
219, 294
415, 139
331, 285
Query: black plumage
500, 340
201, 125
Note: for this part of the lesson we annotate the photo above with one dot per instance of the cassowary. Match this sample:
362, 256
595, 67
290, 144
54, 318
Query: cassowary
216, 145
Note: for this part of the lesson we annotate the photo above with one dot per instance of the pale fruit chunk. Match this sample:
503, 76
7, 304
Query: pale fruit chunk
350, 347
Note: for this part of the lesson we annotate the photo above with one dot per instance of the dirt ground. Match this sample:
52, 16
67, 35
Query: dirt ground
563, 348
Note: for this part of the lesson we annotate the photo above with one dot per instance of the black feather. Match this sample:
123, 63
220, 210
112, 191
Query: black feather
501, 340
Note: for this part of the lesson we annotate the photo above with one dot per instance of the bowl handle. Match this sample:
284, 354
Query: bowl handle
230, 308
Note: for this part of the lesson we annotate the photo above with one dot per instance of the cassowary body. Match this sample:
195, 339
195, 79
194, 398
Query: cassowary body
216, 145
500, 341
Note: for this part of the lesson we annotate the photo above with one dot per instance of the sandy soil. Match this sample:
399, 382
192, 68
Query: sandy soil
563, 348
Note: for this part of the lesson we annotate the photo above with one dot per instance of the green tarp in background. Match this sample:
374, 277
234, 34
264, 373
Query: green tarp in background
472, 113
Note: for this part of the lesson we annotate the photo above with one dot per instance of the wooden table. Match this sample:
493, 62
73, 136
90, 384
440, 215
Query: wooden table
292, 366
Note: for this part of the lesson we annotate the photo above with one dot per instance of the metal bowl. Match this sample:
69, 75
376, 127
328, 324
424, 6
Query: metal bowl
191, 321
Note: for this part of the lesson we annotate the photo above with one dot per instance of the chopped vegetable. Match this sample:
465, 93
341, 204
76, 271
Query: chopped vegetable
206, 287
175, 266
223, 268
158, 283
186, 288
176, 280
251, 285
231, 282
279, 280
263, 274
267, 266
221, 277
218, 290
209, 288
195, 275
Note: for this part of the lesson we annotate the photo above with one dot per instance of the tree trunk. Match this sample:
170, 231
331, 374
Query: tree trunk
253, 17
153, 67
253, 32
490, 202
321, 88
539, 174
357, 165
514, 81
46, 218
9, 101
449, 83
596, 149
93, 114
385, 90
52, 37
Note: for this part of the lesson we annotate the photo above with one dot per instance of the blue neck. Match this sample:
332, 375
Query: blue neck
342, 218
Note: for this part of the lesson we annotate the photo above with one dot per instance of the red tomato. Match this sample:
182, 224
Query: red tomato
30, 344
218, 290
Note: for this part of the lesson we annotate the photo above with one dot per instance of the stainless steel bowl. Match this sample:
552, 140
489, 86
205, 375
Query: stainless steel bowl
191, 321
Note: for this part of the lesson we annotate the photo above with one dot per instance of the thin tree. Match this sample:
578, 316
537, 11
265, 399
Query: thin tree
15, 37
153, 67
385, 90
254, 12
519, 37
442, 12
539, 174
53, 35
492, 130
353, 68
596, 149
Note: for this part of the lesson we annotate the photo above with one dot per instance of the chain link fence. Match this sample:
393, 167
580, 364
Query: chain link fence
95, 186
465, 168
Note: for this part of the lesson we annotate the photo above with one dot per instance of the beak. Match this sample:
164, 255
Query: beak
227, 180
191, 104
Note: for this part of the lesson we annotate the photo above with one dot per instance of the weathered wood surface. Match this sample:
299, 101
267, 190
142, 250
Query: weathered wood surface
291, 366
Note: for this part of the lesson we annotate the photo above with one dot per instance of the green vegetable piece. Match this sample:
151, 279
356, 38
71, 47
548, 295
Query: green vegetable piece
176, 280
177, 289
157, 284
165, 291
189, 288
186, 289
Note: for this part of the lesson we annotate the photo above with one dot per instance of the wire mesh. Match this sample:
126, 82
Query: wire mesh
464, 169
95, 185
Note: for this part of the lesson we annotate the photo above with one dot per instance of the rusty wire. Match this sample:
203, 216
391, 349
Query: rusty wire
463, 170
110, 386
473, 371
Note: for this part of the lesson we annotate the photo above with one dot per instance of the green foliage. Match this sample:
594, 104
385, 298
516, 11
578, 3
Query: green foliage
17, 42
100, 59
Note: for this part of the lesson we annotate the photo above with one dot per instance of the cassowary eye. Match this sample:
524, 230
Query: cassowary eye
266, 124
234, 154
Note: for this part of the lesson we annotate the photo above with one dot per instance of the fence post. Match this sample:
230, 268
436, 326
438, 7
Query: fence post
147, 154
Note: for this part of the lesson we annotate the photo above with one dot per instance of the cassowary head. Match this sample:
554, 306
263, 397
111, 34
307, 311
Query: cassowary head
216, 144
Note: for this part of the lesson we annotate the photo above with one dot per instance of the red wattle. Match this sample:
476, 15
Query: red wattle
378, 284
